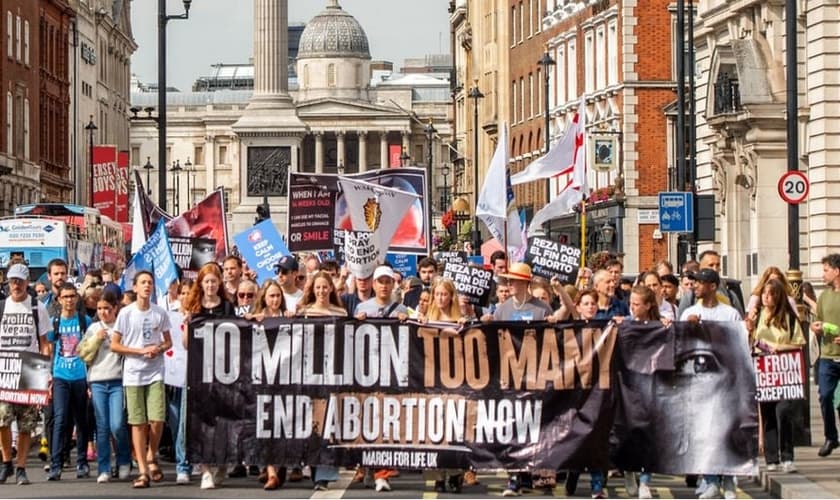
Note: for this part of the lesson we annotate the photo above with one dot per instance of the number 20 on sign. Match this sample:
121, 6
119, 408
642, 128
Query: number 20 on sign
794, 187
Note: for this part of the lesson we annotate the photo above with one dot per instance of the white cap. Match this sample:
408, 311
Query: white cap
383, 271
18, 271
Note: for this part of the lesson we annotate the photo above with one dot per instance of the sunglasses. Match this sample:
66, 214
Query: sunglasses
245, 295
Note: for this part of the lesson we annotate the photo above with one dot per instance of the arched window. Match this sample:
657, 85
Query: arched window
331, 75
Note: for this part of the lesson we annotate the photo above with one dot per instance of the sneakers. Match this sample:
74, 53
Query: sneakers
789, 467
54, 474
104, 477
207, 482
630, 483
123, 471
772, 467
711, 491
82, 471
644, 491
6, 471
182, 478
382, 485
513, 488
730, 487
599, 494
320, 486
20, 476
827, 448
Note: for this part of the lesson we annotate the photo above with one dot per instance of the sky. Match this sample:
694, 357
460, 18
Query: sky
221, 31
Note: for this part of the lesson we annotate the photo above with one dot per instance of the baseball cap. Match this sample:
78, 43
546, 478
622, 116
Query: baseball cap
287, 263
383, 271
18, 271
707, 275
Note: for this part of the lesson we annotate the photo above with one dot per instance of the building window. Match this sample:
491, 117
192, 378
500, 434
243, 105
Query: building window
521, 99
198, 155
589, 63
135, 156
513, 109
10, 45
18, 44
513, 26
530, 95
521, 21
10, 106
168, 155
223, 159
560, 79
529, 4
25, 128
612, 53
601, 59
226, 199
331, 75
539, 89
571, 69
26, 42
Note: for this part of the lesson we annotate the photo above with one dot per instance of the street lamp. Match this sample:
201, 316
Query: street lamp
176, 178
404, 158
430, 137
475, 94
189, 170
445, 200
547, 62
91, 128
161, 119
148, 166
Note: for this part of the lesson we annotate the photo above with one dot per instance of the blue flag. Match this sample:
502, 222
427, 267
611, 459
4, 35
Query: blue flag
156, 256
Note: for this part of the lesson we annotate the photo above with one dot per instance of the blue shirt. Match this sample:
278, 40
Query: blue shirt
67, 365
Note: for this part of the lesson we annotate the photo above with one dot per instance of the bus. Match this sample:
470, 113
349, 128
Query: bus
81, 236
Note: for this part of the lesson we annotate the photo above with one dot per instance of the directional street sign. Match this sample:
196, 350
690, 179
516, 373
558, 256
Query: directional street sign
676, 212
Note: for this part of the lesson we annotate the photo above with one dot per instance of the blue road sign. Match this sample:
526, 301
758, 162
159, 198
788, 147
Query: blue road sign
676, 212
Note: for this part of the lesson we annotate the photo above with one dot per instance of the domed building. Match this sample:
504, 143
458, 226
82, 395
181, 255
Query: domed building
333, 56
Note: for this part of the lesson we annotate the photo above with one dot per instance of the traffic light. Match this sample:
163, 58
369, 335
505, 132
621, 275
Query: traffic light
263, 212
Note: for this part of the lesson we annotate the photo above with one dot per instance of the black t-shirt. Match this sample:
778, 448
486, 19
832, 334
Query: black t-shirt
224, 308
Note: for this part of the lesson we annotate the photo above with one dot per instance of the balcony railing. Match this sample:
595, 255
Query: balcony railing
727, 95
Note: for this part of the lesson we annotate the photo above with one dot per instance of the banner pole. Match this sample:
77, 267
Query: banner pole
583, 233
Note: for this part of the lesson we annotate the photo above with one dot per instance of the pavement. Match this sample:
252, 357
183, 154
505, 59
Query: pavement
816, 477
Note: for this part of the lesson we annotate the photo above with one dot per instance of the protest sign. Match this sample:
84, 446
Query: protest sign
311, 215
381, 393
549, 258
404, 263
455, 257
360, 253
155, 256
261, 247
470, 281
24, 377
780, 376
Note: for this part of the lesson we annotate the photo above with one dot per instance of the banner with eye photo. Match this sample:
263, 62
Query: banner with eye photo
687, 399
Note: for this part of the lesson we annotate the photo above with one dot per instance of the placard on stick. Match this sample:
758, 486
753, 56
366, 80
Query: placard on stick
549, 258
780, 376
470, 281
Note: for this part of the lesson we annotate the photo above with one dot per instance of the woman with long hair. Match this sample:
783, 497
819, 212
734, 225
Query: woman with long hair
770, 273
445, 305
320, 298
653, 281
777, 329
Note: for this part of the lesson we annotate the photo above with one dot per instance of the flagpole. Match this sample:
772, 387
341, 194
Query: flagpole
583, 233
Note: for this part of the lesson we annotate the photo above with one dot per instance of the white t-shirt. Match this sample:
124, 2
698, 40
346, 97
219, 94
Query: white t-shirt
17, 326
292, 299
668, 310
720, 312
138, 330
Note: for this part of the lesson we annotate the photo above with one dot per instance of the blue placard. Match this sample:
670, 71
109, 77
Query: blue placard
404, 263
477, 260
676, 212
261, 246
155, 256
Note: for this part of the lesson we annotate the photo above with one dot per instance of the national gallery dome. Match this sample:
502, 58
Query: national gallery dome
334, 34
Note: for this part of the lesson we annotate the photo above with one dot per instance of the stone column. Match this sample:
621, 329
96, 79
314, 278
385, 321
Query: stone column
362, 150
383, 149
209, 163
406, 142
340, 154
319, 152
271, 45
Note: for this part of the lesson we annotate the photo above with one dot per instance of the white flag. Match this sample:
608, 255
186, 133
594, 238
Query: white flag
495, 203
376, 208
576, 186
561, 158
138, 232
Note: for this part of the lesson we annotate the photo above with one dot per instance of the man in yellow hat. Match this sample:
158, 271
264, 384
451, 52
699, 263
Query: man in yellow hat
521, 305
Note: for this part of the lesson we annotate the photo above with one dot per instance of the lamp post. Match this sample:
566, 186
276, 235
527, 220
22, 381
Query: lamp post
91, 128
176, 180
161, 120
148, 167
475, 94
547, 62
445, 201
430, 138
404, 158
188, 170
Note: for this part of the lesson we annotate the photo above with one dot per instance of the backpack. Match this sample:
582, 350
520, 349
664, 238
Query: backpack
35, 316
83, 326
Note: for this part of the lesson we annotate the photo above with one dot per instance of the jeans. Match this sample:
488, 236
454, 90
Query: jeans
69, 404
326, 473
645, 477
176, 402
778, 431
829, 374
596, 480
108, 400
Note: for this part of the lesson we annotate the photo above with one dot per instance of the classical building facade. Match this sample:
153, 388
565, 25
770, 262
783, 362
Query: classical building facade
100, 77
742, 146
347, 122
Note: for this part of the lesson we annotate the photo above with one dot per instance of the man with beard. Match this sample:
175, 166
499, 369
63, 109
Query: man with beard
57, 275
232, 275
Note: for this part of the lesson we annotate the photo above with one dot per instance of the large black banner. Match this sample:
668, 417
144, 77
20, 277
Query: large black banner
687, 397
387, 394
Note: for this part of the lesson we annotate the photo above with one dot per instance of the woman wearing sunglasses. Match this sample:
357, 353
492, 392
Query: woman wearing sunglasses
246, 296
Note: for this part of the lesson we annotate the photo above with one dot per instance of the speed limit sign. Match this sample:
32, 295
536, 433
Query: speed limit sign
794, 187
